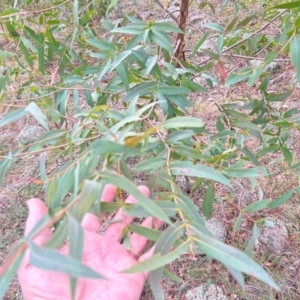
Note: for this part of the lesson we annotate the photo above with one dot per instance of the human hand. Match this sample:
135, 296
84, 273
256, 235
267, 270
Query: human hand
102, 253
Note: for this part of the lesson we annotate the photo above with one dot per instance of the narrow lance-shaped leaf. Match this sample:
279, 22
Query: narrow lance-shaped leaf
13, 116
157, 260
208, 201
187, 168
282, 199
255, 235
257, 205
52, 260
163, 246
230, 256
125, 184
238, 222
36, 112
180, 122
9, 273
75, 246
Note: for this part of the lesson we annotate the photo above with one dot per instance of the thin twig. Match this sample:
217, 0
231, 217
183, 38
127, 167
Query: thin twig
251, 36
172, 15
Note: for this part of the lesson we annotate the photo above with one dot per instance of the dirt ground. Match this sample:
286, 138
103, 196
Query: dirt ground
193, 270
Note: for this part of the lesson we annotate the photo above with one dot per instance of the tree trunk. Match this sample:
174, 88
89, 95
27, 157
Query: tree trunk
179, 50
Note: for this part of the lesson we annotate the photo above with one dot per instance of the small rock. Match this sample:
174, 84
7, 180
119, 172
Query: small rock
30, 134
217, 228
271, 67
273, 237
212, 292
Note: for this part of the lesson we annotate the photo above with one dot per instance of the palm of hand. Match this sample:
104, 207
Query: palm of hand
104, 254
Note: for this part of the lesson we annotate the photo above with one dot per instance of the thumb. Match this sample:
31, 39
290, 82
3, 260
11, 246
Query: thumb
37, 210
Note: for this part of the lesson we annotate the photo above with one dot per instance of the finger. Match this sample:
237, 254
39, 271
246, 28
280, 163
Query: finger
91, 222
138, 242
109, 193
120, 220
37, 210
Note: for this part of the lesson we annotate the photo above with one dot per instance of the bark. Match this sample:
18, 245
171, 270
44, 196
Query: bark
184, 10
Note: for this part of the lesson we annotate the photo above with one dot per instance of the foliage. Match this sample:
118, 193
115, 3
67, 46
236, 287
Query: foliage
132, 65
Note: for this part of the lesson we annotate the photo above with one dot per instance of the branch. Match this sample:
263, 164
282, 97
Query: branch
251, 36
173, 16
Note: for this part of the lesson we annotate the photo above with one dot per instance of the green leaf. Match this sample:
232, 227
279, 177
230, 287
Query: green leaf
288, 156
238, 76
41, 59
75, 238
153, 163
10, 273
52, 260
13, 116
271, 56
282, 199
90, 194
243, 172
186, 122
263, 152
173, 277
247, 20
131, 29
288, 5
173, 90
278, 97
257, 205
121, 57
230, 26
4, 166
138, 211
101, 147
237, 224
214, 26
179, 135
102, 45
9, 11
36, 112
229, 256
187, 151
254, 237
245, 125
210, 54
295, 54
208, 201
75, 246
112, 4
161, 39
150, 63
187, 168
166, 27
157, 260
141, 90
163, 246
199, 44
150, 233
125, 184
26, 54
250, 155
186, 205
